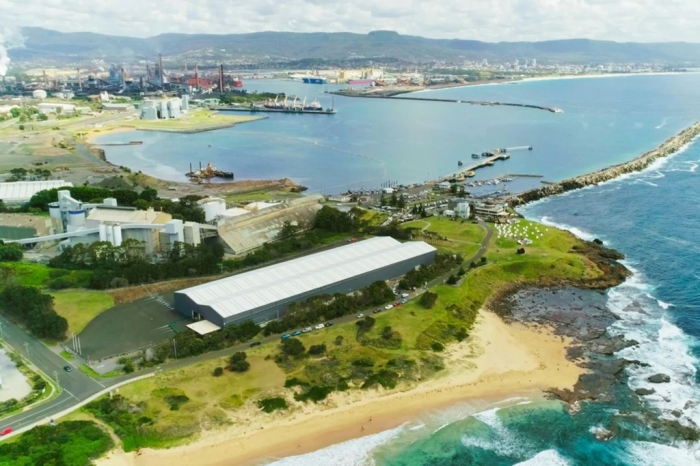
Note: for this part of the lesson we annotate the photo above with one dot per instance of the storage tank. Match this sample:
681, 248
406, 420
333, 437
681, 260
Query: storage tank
213, 207
185, 102
76, 218
117, 235
39, 94
55, 210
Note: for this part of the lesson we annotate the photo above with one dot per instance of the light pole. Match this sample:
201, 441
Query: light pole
26, 347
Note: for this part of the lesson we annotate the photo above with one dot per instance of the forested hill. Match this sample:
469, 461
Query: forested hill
287, 46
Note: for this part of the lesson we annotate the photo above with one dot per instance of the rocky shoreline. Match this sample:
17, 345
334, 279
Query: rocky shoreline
578, 310
669, 147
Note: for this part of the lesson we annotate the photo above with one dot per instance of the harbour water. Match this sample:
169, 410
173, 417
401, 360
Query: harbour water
653, 217
606, 120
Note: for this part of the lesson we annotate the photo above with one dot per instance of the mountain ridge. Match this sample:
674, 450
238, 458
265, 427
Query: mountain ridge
275, 46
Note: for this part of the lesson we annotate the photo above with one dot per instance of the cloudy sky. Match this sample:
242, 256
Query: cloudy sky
488, 20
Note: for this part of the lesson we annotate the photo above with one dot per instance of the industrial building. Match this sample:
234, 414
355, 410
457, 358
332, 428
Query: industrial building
263, 294
20, 192
164, 109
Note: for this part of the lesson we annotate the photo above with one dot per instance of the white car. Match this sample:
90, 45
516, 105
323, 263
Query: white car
319, 326
404, 295
360, 316
388, 306
306, 330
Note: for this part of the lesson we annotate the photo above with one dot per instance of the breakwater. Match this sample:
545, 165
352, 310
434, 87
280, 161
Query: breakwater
393, 96
668, 147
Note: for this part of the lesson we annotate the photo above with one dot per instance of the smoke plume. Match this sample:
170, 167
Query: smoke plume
10, 38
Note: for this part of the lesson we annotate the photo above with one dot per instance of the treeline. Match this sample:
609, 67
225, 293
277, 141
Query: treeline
443, 263
70, 443
186, 209
30, 307
327, 307
119, 266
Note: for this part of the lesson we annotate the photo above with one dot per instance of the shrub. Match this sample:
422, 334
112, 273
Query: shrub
294, 382
270, 405
316, 393
339, 340
175, 401
363, 362
128, 367
386, 378
461, 334
317, 349
453, 279
218, 372
521, 251
437, 346
238, 362
428, 299
293, 347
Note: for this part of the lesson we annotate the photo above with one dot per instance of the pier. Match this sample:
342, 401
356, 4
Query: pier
328, 111
486, 162
392, 96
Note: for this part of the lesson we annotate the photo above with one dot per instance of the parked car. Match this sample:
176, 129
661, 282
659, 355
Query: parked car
379, 309
397, 304
6, 430
388, 306
285, 336
404, 295
404, 301
67, 368
328, 324
360, 316
297, 333
307, 330
254, 344
319, 327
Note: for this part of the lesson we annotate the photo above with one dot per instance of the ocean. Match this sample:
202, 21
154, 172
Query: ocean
652, 217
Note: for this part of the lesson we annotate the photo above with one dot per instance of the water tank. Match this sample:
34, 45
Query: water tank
39, 94
55, 210
185, 102
213, 207
76, 218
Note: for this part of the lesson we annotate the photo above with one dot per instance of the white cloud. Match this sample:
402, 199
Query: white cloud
487, 20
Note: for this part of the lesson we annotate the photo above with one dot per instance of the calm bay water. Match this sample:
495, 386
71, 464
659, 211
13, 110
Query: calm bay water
606, 121
653, 217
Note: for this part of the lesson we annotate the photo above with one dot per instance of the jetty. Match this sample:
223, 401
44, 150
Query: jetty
327, 111
667, 148
393, 96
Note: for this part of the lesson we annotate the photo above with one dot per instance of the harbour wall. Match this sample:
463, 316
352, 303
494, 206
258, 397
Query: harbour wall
669, 147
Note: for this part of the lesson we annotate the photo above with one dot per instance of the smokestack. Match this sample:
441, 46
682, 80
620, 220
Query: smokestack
221, 78
46, 80
80, 83
196, 77
185, 68
123, 77
162, 74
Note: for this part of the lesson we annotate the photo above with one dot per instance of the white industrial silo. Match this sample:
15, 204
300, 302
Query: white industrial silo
55, 210
174, 108
76, 218
213, 207
39, 94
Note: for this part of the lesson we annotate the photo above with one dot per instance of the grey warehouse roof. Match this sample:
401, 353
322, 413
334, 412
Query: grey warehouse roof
258, 288
24, 190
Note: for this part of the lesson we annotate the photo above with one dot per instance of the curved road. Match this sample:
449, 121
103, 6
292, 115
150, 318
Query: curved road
78, 387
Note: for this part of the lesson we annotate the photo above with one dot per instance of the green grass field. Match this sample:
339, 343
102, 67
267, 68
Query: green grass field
463, 237
213, 401
258, 196
26, 273
196, 120
80, 307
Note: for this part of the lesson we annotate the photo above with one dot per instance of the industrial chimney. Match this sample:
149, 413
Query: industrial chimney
196, 77
221, 78
80, 83
162, 74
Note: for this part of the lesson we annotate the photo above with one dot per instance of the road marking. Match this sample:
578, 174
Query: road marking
41, 411
71, 394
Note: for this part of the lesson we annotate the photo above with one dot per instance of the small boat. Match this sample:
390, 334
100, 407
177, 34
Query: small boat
475, 156
135, 143
459, 162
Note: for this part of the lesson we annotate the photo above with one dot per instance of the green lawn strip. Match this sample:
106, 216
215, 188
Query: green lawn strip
80, 307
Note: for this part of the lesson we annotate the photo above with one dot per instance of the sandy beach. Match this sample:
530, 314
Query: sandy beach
498, 362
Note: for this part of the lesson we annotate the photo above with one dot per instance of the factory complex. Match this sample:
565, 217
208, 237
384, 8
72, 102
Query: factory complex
261, 295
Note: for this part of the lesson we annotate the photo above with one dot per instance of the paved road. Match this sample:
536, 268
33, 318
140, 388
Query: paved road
77, 386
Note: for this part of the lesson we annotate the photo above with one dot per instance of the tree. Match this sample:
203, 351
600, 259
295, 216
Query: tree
288, 230
453, 188
42, 117
21, 127
393, 201
401, 203
10, 252
437, 346
218, 372
293, 347
238, 362
427, 299
387, 333
453, 279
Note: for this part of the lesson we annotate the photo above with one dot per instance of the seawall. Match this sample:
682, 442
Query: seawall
669, 147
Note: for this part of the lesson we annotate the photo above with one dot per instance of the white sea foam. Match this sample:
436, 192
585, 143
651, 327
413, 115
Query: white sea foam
546, 458
502, 441
562, 226
357, 452
653, 454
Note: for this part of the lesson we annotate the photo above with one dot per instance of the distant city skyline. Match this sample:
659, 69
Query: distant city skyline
484, 20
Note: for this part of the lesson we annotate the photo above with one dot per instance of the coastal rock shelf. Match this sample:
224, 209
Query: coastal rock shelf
669, 147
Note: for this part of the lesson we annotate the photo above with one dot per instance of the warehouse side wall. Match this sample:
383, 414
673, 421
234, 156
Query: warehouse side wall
185, 305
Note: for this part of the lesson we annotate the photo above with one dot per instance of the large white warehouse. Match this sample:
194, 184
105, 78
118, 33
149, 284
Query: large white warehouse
261, 294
